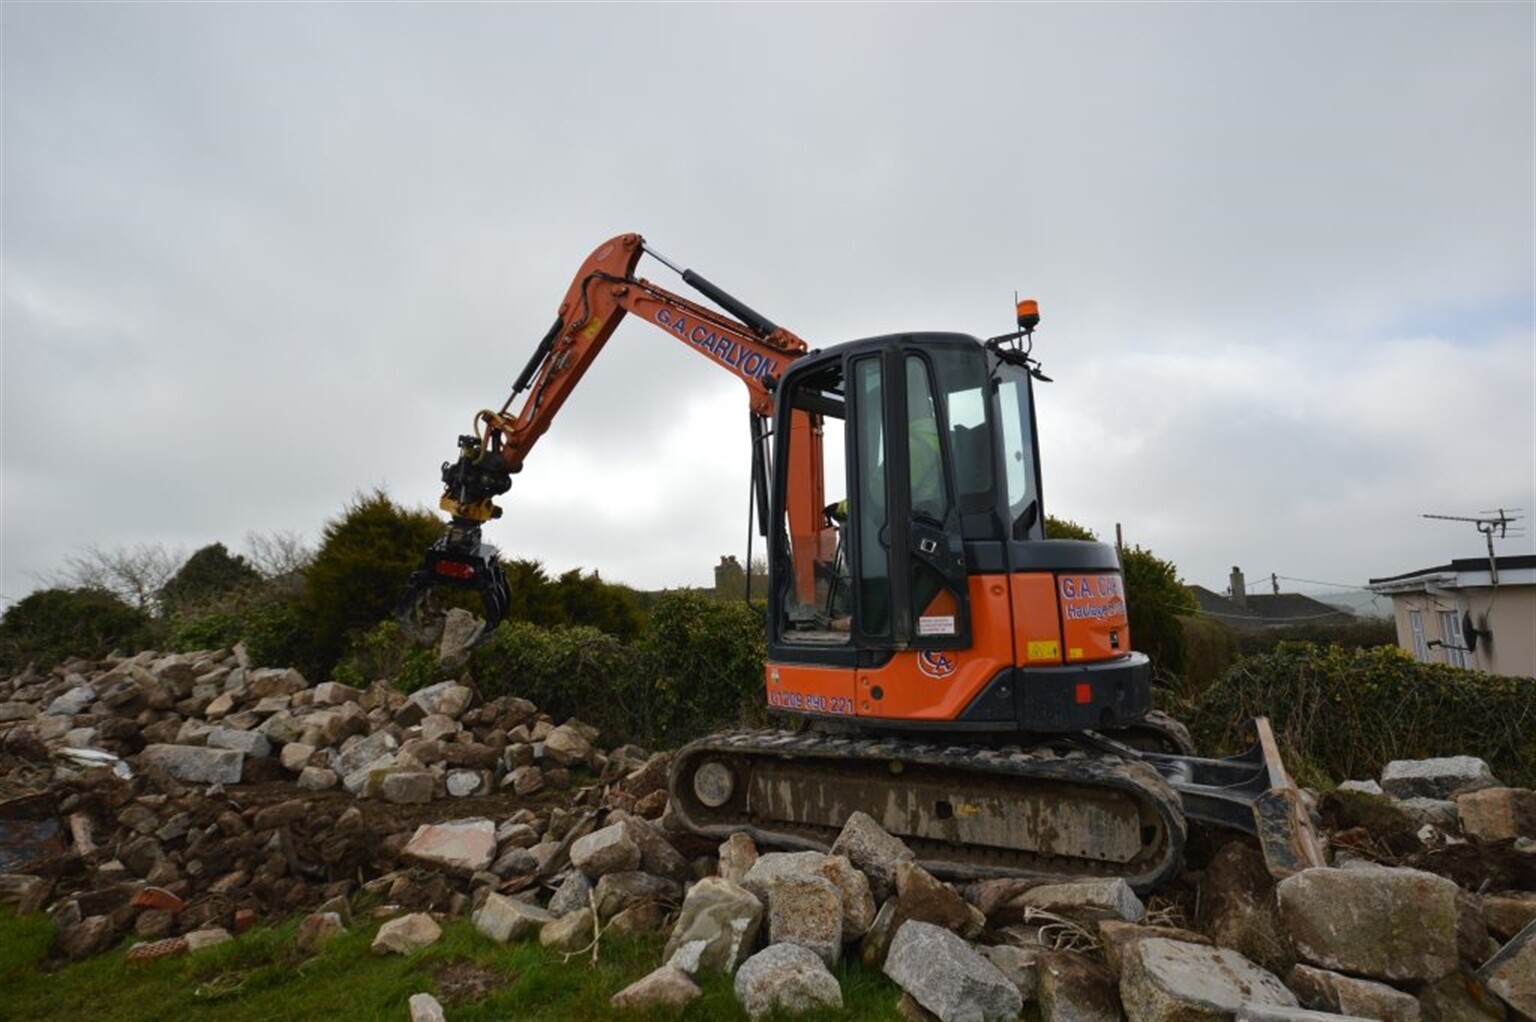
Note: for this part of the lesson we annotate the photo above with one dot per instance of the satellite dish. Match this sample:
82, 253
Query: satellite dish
1470, 632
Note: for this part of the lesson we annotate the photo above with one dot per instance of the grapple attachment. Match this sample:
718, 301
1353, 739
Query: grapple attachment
458, 560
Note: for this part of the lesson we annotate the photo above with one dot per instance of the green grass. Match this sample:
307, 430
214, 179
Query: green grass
260, 976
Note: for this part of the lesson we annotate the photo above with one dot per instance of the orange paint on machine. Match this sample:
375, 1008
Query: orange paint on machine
924, 632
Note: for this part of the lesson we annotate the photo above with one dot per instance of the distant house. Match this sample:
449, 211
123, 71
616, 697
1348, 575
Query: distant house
1434, 608
1255, 611
731, 579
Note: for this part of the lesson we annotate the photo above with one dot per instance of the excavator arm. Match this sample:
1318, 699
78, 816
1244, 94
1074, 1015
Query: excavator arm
605, 289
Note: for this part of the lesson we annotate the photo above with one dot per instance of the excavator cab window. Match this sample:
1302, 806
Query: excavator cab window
882, 566
815, 602
1020, 473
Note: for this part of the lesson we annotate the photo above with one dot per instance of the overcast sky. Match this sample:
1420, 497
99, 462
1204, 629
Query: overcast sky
259, 258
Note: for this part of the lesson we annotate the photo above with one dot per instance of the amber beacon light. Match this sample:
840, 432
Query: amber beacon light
1029, 315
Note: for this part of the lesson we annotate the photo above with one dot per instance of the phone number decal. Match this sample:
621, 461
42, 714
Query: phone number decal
811, 703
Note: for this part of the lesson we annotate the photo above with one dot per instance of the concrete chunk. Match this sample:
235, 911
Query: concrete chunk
1169, 981
666, 987
1511, 974
249, 742
1498, 814
1075, 988
1347, 995
609, 850
1388, 924
1435, 778
196, 764
873, 851
948, 977
716, 929
406, 934
807, 910
463, 847
1087, 900
425, 1008
785, 978
502, 919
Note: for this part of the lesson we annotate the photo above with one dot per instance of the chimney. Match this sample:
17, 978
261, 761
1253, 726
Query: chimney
1239, 589
728, 576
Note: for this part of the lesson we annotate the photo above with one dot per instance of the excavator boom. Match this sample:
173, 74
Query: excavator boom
603, 291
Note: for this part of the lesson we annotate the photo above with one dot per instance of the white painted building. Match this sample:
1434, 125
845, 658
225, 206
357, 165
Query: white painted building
1468, 613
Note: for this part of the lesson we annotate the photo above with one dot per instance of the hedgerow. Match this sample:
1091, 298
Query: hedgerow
52, 625
1345, 713
698, 666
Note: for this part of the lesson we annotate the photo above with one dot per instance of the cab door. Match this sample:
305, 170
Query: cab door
880, 568
930, 589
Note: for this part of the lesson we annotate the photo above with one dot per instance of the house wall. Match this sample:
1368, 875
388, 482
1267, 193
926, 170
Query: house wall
1511, 611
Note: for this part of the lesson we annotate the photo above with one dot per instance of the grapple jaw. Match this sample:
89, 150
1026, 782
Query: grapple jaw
457, 560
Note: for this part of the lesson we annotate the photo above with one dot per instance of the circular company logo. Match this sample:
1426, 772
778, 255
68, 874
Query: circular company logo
936, 664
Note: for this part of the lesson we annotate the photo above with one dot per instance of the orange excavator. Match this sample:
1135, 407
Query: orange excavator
963, 679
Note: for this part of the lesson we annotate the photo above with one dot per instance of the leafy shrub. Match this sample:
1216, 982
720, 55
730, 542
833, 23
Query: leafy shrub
707, 657
1155, 599
268, 621
276, 635
1065, 528
1345, 713
575, 598
52, 625
384, 652
698, 666
568, 671
1360, 634
209, 574
364, 560
218, 629
585, 599
1210, 650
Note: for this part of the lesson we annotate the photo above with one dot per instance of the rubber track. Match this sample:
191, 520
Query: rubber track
942, 858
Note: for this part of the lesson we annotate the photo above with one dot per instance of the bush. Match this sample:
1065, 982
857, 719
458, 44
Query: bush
52, 625
268, 622
217, 629
208, 575
276, 634
1065, 528
1345, 713
699, 666
707, 657
1210, 650
384, 652
585, 599
1155, 599
575, 598
365, 559
1361, 634
568, 671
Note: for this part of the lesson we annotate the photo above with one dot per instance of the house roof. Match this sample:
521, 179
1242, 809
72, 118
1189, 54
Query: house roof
1268, 609
1518, 569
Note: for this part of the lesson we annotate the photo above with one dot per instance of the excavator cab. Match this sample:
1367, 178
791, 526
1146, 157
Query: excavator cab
929, 597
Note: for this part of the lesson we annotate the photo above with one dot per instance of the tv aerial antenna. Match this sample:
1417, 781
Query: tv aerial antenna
1488, 523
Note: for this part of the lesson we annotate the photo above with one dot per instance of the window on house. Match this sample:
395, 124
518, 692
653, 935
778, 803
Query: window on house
1416, 625
1450, 634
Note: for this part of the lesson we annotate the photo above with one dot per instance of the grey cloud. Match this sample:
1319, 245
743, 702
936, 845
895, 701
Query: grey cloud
258, 258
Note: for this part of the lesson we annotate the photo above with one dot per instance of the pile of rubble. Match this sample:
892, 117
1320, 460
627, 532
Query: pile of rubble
175, 799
